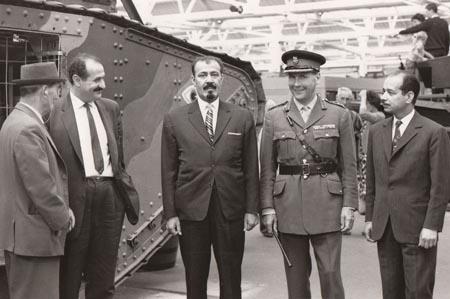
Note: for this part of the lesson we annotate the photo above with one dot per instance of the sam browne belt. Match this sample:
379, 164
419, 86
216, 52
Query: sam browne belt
308, 168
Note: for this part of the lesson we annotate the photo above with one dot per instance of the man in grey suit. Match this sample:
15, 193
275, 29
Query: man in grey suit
407, 191
34, 208
209, 171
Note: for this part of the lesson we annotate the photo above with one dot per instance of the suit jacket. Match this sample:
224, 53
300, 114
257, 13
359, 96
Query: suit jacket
191, 165
409, 186
34, 210
63, 129
312, 205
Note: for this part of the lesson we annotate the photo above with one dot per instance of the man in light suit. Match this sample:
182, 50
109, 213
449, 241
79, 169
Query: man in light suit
209, 171
308, 177
85, 128
34, 208
407, 191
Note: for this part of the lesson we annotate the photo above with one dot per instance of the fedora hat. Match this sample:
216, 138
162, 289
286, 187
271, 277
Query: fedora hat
38, 74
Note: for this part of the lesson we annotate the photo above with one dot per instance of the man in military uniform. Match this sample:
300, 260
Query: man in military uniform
308, 177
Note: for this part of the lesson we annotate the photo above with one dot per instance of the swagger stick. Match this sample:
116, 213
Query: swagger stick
286, 258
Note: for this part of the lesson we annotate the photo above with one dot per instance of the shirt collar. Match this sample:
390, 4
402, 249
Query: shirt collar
406, 119
76, 102
34, 111
204, 104
309, 106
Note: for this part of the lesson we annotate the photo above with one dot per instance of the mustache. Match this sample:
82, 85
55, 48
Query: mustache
209, 85
98, 89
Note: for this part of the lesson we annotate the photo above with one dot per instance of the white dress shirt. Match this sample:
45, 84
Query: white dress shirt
85, 137
305, 110
405, 122
204, 108
34, 111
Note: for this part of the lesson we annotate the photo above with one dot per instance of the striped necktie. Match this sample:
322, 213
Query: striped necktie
209, 122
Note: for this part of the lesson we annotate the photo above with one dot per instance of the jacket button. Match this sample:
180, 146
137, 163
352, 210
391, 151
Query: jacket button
305, 131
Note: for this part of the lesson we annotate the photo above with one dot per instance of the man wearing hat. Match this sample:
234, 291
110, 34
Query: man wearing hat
34, 209
308, 177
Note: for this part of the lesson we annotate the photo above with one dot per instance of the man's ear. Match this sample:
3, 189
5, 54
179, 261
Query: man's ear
76, 80
410, 97
45, 90
318, 75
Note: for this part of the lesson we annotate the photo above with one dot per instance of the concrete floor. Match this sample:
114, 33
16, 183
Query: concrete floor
263, 272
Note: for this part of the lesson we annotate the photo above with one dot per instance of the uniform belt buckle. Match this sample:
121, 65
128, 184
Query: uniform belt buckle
306, 171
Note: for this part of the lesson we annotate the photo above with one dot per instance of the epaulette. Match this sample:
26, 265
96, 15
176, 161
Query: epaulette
335, 103
278, 105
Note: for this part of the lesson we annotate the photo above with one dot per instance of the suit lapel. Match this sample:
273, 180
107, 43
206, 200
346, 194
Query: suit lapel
317, 113
196, 119
223, 117
294, 114
107, 123
71, 127
387, 138
410, 132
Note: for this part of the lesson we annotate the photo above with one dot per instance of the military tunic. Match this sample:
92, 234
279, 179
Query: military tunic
308, 205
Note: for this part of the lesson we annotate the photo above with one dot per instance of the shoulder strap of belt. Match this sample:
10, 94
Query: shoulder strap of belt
301, 138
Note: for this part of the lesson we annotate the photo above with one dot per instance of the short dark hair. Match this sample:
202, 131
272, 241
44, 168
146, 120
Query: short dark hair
410, 83
431, 6
419, 17
78, 65
373, 98
207, 59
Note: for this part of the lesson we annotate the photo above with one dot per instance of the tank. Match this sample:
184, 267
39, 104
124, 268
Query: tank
148, 73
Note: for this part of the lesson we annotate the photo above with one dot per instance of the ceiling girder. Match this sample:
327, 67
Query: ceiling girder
350, 33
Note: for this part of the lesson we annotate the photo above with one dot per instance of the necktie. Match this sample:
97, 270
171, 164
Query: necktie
304, 113
96, 149
209, 123
397, 134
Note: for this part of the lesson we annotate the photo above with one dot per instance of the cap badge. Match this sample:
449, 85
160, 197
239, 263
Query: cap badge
295, 60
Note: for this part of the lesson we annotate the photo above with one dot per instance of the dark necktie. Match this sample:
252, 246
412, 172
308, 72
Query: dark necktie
96, 149
209, 123
397, 134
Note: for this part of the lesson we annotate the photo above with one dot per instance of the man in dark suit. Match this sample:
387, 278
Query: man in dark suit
308, 177
85, 128
209, 167
34, 208
407, 191
437, 30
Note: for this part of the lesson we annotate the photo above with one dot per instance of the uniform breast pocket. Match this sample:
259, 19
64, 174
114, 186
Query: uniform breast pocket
326, 137
286, 145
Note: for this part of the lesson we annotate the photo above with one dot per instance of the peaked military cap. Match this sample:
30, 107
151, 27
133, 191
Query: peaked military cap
302, 61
